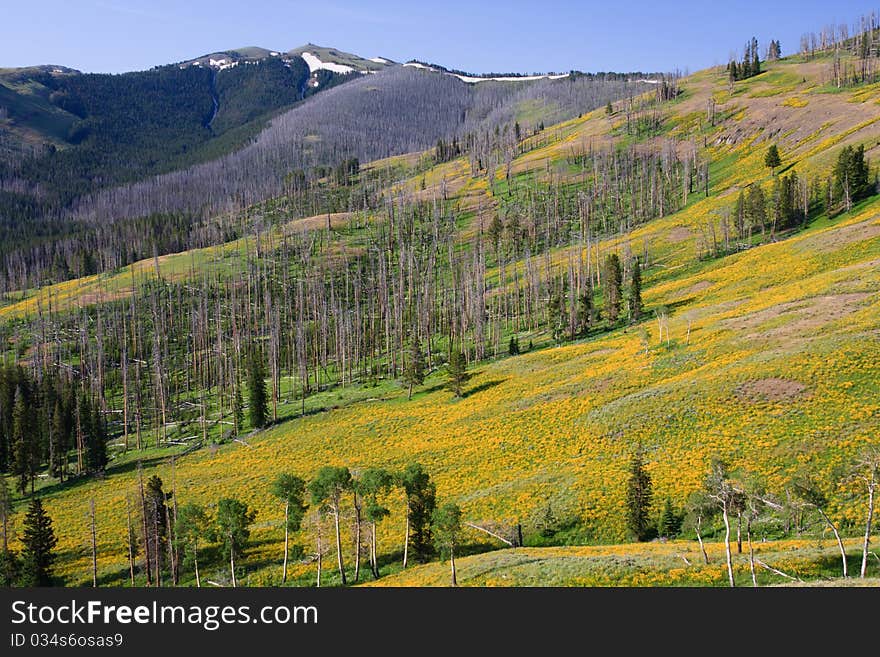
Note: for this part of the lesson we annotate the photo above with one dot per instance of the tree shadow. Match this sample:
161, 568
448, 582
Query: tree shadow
79, 480
486, 385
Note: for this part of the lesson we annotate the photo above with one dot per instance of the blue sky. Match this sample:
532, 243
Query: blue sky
540, 35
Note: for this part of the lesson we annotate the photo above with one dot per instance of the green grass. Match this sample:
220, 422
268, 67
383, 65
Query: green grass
31, 107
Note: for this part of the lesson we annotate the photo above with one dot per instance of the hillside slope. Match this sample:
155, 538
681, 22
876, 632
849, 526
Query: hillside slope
768, 359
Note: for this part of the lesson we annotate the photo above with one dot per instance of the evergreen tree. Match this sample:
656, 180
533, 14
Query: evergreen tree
96, 442
557, 311
414, 371
772, 159
756, 208
155, 513
670, 521
10, 568
457, 372
851, 176
39, 541
24, 442
513, 346
495, 230
638, 498
421, 495
635, 293
586, 313
756, 63
787, 211
6, 510
739, 214
745, 69
446, 523
9, 564
258, 397
613, 281
60, 439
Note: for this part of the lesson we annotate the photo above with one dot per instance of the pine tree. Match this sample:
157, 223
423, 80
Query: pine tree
96, 442
9, 563
421, 499
739, 214
745, 69
635, 293
513, 346
6, 510
772, 159
60, 440
756, 208
155, 516
670, 521
10, 568
851, 176
638, 498
258, 397
613, 281
38, 540
557, 313
586, 314
457, 372
23, 441
756, 63
414, 372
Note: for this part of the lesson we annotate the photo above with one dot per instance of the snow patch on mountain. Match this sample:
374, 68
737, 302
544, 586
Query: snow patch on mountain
503, 78
316, 64
508, 78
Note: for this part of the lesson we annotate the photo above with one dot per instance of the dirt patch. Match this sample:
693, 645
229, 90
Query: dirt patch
337, 219
803, 316
772, 390
696, 288
860, 232
678, 235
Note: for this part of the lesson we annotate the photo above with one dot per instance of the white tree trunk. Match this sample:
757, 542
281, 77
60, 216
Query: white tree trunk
339, 547
751, 554
196, 563
727, 545
837, 536
406, 539
702, 547
286, 538
871, 485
